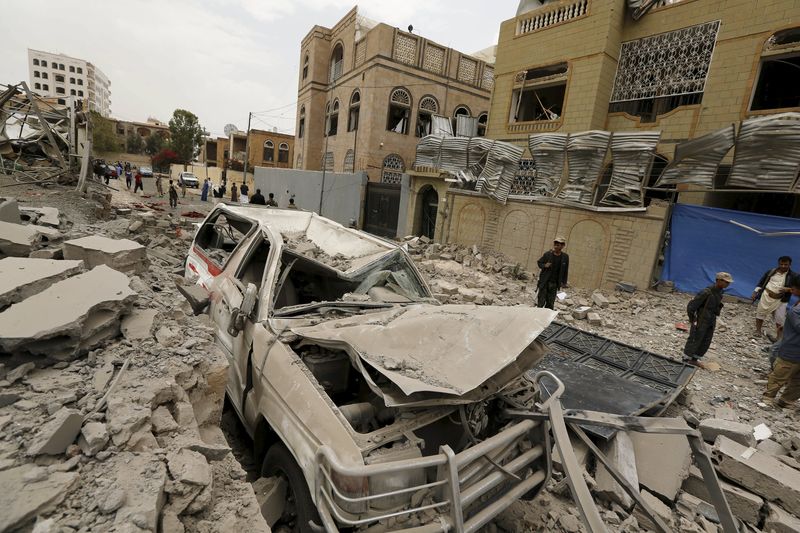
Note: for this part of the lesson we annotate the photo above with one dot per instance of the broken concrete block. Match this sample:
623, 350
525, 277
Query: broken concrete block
57, 434
445, 287
759, 472
743, 504
125, 418
581, 453
620, 453
711, 428
19, 372
162, 420
23, 498
9, 210
771, 447
662, 462
21, 278
120, 254
594, 319
626, 286
102, 377
661, 511
17, 240
581, 312
186, 466
138, 324
599, 300
142, 477
690, 505
779, 521
94, 437
42, 216
81, 312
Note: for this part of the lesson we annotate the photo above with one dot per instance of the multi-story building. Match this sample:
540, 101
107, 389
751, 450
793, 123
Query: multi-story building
682, 67
367, 92
267, 149
123, 128
60, 76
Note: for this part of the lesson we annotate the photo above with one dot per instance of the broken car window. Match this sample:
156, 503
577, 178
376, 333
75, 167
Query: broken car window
220, 235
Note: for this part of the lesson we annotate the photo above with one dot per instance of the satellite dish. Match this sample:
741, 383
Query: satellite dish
230, 129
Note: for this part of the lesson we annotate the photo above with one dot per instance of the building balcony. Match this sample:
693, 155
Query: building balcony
551, 15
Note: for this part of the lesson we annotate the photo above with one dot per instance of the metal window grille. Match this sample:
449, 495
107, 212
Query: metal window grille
393, 168
433, 60
488, 78
405, 49
467, 70
524, 180
429, 103
400, 96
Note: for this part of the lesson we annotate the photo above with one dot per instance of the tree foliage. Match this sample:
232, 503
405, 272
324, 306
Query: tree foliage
103, 138
164, 158
134, 143
186, 135
154, 144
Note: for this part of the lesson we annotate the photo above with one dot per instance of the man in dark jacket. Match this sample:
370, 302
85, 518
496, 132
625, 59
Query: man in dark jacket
786, 370
773, 292
258, 198
555, 272
703, 311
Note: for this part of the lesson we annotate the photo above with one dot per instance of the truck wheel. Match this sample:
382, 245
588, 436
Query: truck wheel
299, 509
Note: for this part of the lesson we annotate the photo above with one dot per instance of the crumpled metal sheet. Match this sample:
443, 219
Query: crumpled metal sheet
767, 153
548, 149
632, 155
491, 165
696, 161
466, 126
441, 126
585, 154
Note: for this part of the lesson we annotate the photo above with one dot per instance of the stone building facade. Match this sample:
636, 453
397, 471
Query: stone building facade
267, 149
367, 91
123, 128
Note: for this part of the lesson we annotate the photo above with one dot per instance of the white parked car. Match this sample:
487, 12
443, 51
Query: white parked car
189, 179
369, 403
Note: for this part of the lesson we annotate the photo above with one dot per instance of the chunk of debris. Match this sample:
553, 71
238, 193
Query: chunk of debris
594, 319
42, 216
711, 428
21, 278
662, 462
138, 324
743, 504
17, 240
162, 420
662, 511
82, 311
9, 210
779, 521
759, 472
142, 477
581, 312
19, 372
23, 499
620, 453
56, 435
599, 300
94, 437
123, 255
189, 467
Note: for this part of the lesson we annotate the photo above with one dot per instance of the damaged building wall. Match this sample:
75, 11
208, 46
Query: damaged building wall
605, 248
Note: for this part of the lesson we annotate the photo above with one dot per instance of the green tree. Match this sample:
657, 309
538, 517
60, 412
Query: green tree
134, 143
154, 144
186, 135
103, 138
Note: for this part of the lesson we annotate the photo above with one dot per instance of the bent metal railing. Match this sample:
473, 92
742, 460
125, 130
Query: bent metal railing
465, 492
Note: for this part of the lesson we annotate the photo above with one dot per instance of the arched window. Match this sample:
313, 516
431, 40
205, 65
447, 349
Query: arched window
72, 80
393, 168
778, 73
301, 127
483, 120
71, 68
36, 62
355, 109
332, 118
462, 111
61, 66
327, 162
337, 62
36, 74
44, 63
269, 152
80, 81
45, 87
305, 67
283, 153
399, 111
428, 106
349, 161
466, 130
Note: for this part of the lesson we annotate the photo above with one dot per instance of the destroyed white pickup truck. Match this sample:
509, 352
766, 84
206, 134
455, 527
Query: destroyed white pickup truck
372, 405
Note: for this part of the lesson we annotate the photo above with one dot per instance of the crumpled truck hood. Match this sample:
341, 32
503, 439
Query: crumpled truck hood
437, 352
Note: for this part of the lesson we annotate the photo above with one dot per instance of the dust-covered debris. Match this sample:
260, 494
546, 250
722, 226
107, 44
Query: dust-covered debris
299, 243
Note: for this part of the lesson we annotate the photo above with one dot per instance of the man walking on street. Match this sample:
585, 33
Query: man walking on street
774, 290
786, 370
173, 195
703, 311
555, 272
138, 185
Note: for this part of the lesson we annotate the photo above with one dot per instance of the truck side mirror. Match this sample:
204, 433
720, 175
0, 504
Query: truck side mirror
238, 316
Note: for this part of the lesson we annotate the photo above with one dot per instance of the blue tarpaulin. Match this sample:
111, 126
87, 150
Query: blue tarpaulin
707, 240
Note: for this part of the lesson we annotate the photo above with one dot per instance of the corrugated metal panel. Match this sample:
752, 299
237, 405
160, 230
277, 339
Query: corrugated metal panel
500, 169
585, 154
441, 126
696, 161
767, 153
548, 149
466, 126
632, 154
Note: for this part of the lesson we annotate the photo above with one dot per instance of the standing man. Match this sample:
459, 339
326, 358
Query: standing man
234, 193
258, 198
159, 186
271, 202
703, 311
786, 370
204, 193
555, 272
173, 195
138, 185
774, 290
244, 190
183, 187
291, 204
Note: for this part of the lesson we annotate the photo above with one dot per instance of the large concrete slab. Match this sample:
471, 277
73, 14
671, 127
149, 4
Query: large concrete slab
620, 454
779, 521
744, 504
711, 428
662, 462
123, 255
27, 495
9, 210
17, 240
21, 277
69, 317
758, 471
43, 216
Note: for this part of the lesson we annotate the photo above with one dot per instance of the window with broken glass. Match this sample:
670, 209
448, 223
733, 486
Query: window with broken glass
778, 82
337, 62
220, 235
332, 119
483, 120
428, 106
539, 94
301, 127
269, 152
393, 168
305, 67
659, 73
399, 111
355, 109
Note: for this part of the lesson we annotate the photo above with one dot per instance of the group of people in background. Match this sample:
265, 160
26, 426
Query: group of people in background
777, 297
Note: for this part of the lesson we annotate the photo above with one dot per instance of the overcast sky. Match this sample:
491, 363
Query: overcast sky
217, 58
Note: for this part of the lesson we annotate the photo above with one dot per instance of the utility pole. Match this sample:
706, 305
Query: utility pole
247, 147
325, 153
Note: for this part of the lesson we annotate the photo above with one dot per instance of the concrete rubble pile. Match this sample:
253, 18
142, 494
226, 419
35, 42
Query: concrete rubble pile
111, 394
